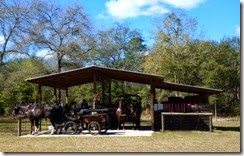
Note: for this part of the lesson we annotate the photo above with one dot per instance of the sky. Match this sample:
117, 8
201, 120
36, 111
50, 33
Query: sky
217, 18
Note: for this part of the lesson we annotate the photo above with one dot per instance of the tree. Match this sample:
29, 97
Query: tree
182, 58
14, 22
175, 45
119, 47
14, 89
222, 70
63, 32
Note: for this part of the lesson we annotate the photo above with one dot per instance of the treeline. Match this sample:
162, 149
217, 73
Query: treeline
40, 37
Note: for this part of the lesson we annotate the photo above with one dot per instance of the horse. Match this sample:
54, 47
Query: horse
36, 113
129, 112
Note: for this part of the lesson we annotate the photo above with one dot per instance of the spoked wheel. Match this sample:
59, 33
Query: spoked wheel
70, 127
94, 128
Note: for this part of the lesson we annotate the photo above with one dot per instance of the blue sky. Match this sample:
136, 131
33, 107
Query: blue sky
217, 18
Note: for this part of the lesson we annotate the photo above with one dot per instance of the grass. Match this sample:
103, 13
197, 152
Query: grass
224, 138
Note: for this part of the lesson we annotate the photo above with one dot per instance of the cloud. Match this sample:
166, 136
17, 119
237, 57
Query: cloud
238, 30
44, 53
2, 40
183, 4
122, 9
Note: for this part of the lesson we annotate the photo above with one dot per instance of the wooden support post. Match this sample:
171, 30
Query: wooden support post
55, 95
19, 127
66, 96
109, 91
40, 93
59, 96
103, 92
94, 89
152, 92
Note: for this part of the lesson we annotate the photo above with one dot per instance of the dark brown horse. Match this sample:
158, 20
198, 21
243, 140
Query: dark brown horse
36, 113
129, 112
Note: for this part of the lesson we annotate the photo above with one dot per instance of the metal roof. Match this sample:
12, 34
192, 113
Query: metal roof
85, 75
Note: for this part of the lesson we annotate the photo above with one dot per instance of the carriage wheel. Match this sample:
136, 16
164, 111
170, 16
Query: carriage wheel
94, 128
70, 127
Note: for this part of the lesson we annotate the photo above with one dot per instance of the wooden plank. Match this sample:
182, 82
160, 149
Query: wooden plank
152, 92
66, 96
186, 114
40, 93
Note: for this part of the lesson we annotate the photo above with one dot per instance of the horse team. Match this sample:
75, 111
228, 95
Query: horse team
125, 112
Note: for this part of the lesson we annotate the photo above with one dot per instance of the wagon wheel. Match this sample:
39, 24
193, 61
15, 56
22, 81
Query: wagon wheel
70, 127
94, 128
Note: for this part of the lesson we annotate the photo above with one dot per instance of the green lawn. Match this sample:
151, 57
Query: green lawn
224, 138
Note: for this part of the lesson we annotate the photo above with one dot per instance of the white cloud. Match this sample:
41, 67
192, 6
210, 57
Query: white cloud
183, 4
44, 53
122, 9
238, 30
2, 40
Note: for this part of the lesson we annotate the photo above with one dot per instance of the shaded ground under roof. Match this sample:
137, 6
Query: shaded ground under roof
86, 75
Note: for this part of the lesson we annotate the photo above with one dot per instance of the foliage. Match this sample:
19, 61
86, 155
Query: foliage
14, 87
182, 59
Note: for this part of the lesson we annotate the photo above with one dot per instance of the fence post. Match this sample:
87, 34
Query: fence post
210, 123
19, 127
162, 120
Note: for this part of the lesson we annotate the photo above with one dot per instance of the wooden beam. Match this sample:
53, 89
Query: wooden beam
55, 95
152, 92
94, 89
67, 96
40, 93
109, 91
103, 88
59, 96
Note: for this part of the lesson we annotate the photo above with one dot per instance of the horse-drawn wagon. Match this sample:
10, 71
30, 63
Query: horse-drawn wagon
96, 121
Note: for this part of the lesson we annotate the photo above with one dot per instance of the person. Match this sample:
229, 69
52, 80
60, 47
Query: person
84, 104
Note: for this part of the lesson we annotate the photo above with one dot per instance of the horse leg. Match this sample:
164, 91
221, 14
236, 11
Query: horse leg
118, 122
138, 122
133, 124
61, 128
123, 124
37, 126
54, 129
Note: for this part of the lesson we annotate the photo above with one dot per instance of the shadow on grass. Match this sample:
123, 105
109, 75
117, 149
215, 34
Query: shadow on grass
227, 128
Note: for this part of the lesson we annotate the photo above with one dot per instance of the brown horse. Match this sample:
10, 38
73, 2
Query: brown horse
129, 112
36, 113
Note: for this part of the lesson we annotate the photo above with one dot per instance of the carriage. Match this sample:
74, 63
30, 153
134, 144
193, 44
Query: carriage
96, 121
